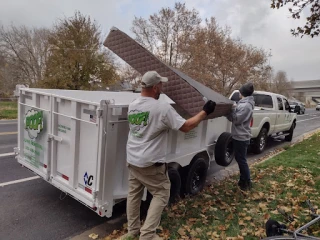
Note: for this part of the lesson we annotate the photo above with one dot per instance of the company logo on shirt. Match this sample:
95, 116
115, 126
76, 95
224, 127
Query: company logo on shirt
138, 120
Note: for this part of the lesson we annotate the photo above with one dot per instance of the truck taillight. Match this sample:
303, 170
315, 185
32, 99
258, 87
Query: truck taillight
251, 122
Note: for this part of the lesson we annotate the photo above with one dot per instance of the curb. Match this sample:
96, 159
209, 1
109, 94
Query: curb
102, 230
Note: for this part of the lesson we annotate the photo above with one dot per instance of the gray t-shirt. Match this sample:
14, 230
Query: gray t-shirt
149, 122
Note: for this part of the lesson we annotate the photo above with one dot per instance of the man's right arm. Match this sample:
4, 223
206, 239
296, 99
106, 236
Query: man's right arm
191, 123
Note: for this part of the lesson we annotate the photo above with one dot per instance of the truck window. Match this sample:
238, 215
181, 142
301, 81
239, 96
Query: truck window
263, 101
286, 104
280, 104
235, 97
293, 103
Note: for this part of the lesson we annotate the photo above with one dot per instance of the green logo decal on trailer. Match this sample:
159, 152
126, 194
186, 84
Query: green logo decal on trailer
33, 123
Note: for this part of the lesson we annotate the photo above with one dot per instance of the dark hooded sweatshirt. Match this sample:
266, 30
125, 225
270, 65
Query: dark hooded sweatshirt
241, 117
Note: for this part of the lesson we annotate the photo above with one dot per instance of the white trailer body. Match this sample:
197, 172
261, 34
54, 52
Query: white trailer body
76, 140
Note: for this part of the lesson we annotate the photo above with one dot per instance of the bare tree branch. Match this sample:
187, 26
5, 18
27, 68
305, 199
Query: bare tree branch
312, 25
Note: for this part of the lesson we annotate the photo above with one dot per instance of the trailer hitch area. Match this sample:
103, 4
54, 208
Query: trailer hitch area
16, 150
106, 210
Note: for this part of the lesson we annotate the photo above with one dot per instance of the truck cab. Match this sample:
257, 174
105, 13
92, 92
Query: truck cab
272, 117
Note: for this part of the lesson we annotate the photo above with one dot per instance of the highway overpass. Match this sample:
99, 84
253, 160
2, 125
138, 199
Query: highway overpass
307, 92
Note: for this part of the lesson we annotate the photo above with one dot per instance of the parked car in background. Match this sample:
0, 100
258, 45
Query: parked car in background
318, 107
297, 107
271, 118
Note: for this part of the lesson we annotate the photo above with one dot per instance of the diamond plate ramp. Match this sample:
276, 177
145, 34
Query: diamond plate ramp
187, 93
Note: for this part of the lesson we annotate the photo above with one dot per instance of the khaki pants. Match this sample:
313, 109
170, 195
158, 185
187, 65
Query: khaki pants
156, 180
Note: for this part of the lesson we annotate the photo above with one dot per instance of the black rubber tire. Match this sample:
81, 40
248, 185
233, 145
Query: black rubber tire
175, 189
273, 228
195, 177
281, 238
224, 153
260, 143
285, 238
289, 137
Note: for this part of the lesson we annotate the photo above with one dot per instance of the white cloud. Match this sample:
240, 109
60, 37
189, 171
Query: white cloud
257, 24
251, 20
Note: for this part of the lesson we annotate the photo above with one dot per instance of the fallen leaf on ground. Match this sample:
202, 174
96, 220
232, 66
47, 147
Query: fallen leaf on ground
93, 236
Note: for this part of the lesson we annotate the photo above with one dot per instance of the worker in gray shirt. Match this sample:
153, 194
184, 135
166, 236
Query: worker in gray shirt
240, 117
149, 122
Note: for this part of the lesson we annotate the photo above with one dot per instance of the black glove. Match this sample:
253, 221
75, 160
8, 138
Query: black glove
209, 107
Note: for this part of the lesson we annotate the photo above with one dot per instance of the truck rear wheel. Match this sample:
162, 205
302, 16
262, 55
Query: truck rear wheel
175, 180
260, 143
290, 136
224, 152
196, 175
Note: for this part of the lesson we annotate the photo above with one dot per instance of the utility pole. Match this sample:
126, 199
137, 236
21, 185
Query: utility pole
270, 79
170, 54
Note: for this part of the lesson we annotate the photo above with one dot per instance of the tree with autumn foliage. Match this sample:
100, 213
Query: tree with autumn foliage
76, 60
281, 84
166, 31
311, 27
222, 63
207, 52
23, 56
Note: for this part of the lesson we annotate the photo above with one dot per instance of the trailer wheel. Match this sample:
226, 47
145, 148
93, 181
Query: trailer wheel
175, 180
196, 175
290, 136
259, 143
224, 152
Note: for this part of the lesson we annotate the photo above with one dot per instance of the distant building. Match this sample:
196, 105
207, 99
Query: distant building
307, 92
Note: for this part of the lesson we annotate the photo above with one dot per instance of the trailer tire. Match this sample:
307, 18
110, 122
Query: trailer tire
260, 143
224, 152
196, 175
175, 188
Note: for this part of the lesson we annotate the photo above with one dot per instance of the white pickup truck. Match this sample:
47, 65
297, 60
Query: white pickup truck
271, 118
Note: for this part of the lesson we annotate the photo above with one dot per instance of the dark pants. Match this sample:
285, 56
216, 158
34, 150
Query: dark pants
240, 151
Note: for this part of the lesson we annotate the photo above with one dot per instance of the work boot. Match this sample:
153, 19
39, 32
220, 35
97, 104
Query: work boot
128, 236
245, 185
154, 237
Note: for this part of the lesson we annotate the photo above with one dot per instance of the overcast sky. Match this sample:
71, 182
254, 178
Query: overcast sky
251, 20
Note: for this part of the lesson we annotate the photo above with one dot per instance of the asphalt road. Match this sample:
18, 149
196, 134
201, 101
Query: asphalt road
36, 210
8, 136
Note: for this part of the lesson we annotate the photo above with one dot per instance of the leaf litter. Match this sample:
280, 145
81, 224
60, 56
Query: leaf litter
223, 211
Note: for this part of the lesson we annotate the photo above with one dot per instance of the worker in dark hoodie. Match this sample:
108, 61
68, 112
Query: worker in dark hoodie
240, 117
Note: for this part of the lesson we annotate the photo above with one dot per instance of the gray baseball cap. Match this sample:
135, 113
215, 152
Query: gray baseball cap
152, 78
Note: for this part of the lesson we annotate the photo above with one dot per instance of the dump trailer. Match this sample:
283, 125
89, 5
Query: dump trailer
76, 140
